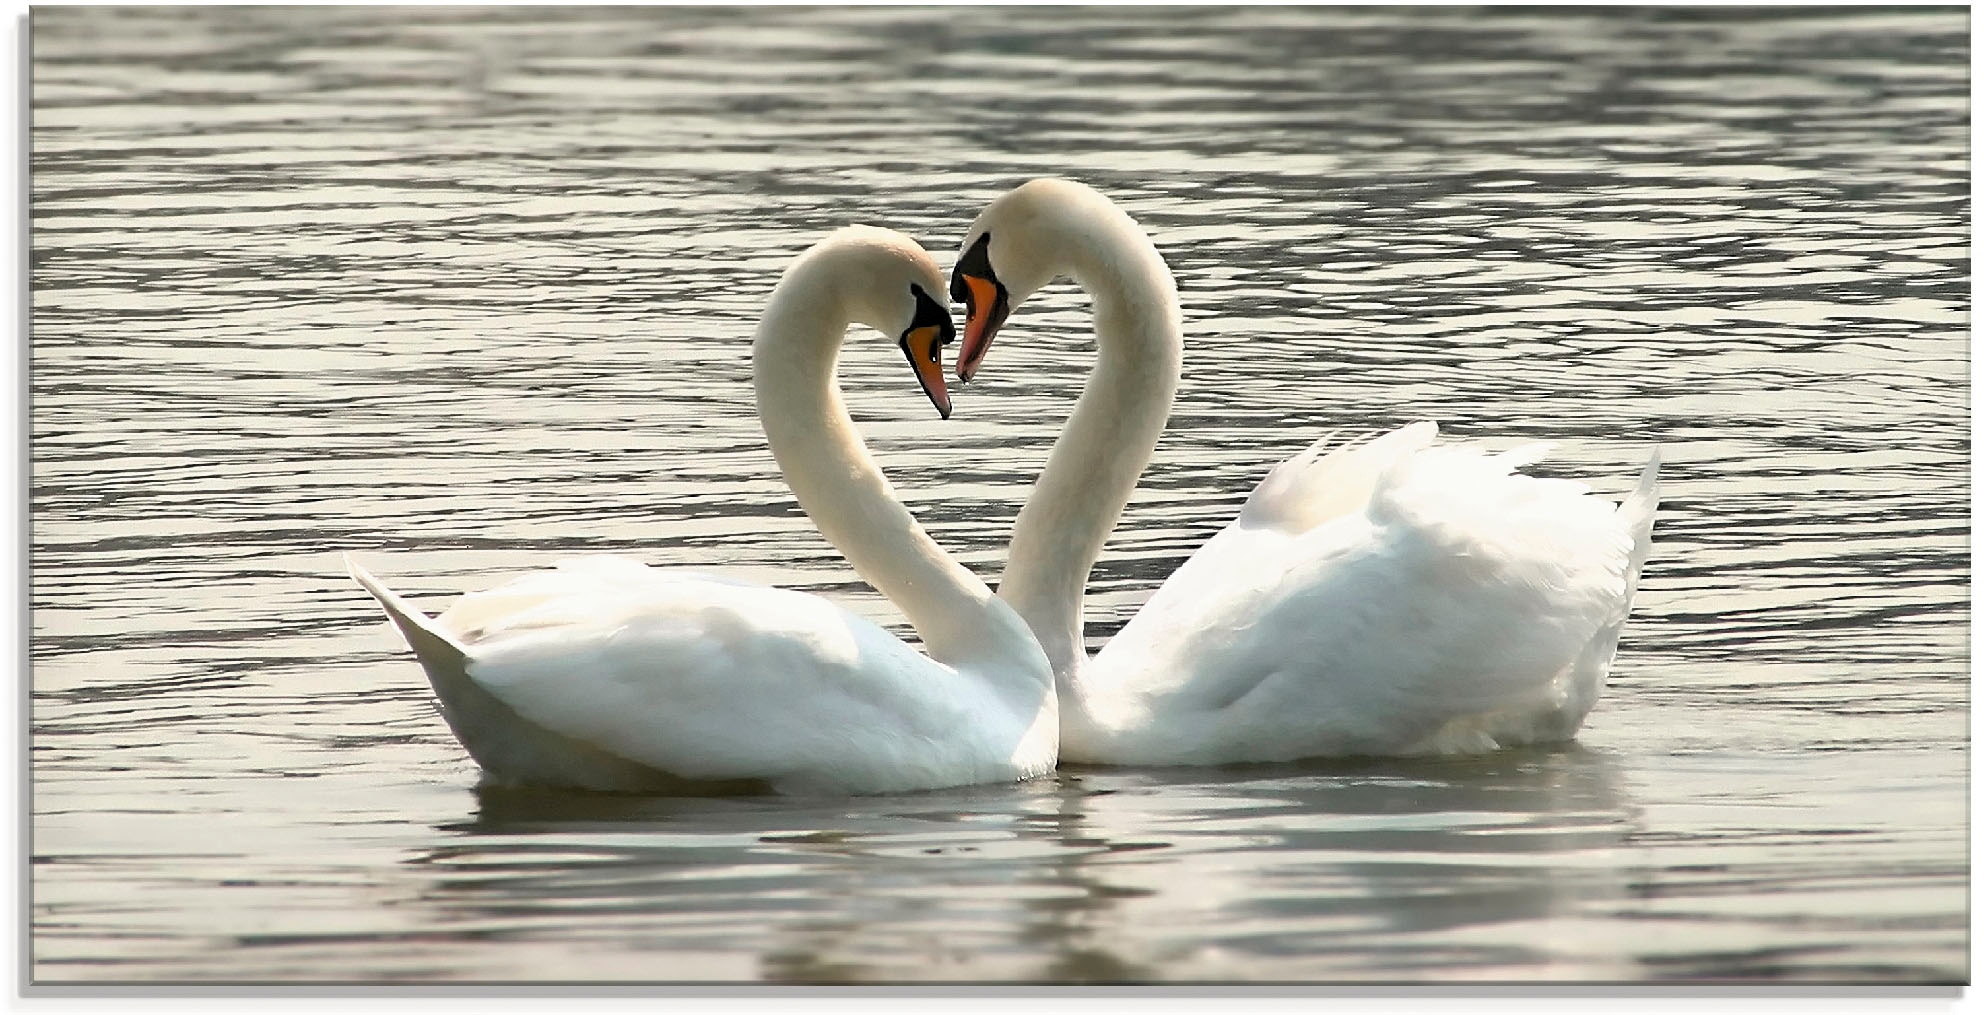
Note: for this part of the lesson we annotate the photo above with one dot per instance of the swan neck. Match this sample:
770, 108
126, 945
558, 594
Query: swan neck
843, 491
1109, 438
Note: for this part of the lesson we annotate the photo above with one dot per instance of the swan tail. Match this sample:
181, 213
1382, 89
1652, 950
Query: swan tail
437, 651
1637, 512
1321, 483
1594, 665
509, 747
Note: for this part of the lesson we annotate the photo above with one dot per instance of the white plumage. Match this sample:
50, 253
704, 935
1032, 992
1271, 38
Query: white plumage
1454, 606
1389, 597
603, 673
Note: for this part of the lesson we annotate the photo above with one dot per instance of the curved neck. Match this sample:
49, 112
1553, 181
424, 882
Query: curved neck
1108, 439
839, 486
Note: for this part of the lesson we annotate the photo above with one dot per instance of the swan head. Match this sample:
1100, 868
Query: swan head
922, 341
885, 280
1009, 252
1023, 240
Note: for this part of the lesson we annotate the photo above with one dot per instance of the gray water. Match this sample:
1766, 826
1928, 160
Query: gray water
465, 291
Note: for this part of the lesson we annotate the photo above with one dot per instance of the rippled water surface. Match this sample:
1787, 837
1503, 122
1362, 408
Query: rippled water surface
464, 291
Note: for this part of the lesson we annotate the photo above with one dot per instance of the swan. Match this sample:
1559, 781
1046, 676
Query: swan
605, 674
1390, 596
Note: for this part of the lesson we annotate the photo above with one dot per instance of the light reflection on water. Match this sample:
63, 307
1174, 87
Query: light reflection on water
468, 290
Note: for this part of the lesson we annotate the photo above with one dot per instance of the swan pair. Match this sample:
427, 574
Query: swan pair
1388, 597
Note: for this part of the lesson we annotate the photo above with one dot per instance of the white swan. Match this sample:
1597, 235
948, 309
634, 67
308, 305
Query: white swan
1388, 598
606, 674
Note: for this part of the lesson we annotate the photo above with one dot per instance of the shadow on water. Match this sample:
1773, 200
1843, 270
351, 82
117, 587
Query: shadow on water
1091, 876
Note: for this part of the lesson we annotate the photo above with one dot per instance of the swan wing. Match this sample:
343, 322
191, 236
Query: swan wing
1324, 482
1460, 600
1241, 565
540, 597
704, 680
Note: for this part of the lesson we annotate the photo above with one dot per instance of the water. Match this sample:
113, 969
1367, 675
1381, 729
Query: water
468, 290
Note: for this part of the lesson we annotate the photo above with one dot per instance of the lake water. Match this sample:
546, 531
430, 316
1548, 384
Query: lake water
465, 291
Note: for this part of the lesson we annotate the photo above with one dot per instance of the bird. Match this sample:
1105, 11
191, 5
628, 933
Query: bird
603, 673
1386, 596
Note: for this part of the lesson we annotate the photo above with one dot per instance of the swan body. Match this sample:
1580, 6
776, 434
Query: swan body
603, 673
1390, 596
1453, 606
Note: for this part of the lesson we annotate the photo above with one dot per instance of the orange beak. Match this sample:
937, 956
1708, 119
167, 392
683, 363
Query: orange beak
925, 348
985, 311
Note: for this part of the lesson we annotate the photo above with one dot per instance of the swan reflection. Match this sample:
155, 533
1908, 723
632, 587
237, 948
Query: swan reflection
1340, 871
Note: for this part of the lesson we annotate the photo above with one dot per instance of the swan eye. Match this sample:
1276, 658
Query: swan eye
976, 263
930, 314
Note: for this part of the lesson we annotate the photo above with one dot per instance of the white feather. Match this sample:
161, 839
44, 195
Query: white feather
1388, 596
1456, 594
603, 673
